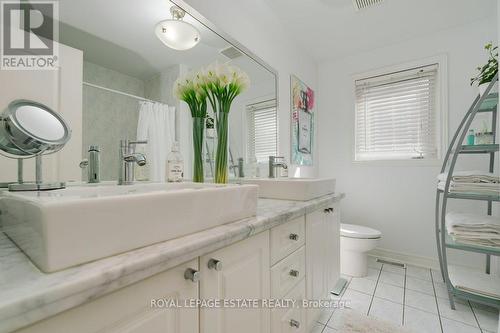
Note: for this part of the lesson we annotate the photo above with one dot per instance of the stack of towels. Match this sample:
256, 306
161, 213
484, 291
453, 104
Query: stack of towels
474, 229
471, 182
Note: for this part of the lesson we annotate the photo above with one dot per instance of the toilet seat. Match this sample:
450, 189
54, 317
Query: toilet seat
358, 231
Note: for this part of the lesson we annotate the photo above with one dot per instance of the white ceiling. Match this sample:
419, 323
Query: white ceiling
332, 29
119, 34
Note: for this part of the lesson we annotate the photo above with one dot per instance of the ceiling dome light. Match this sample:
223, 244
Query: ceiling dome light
176, 33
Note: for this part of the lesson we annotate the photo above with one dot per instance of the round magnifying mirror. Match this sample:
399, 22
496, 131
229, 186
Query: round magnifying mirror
30, 128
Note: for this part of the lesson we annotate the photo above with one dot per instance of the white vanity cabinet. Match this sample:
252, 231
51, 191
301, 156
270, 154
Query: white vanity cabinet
239, 271
296, 260
129, 310
322, 256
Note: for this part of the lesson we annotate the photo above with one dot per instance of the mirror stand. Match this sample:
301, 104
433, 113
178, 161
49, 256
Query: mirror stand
38, 185
19, 175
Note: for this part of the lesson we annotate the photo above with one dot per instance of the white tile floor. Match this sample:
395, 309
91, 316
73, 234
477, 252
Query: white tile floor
414, 297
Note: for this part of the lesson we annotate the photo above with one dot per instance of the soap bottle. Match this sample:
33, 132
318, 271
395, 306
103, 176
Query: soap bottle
251, 168
175, 165
470, 137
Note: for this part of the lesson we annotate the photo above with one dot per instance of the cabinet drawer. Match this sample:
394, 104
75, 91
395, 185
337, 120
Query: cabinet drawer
287, 273
287, 238
293, 319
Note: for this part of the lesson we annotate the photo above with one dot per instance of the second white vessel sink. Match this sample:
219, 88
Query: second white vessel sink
299, 189
63, 228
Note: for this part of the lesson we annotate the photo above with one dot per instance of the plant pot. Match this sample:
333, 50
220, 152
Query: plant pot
482, 88
221, 155
198, 135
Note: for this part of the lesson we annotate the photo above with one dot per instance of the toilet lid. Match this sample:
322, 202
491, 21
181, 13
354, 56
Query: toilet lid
358, 231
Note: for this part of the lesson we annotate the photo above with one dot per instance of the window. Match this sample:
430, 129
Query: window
397, 115
262, 131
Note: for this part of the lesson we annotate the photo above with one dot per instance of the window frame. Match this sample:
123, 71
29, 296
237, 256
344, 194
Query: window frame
266, 103
441, 110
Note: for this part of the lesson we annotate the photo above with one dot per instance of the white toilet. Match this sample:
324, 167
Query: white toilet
355, 242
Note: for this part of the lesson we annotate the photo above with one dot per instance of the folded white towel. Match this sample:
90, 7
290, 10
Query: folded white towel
480, 242
479, 188
474, 176
475, 235
482, 233
474, 229
454, 219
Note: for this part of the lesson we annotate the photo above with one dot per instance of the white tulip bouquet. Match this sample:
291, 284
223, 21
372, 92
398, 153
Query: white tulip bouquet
187, 89
220, 84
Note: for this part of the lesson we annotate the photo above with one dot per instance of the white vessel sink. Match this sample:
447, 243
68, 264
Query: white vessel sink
300, 189
63, 228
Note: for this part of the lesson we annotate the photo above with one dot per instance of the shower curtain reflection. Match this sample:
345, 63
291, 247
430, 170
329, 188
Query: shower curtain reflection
157, 125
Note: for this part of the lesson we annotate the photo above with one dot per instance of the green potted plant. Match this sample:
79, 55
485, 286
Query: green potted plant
487, 71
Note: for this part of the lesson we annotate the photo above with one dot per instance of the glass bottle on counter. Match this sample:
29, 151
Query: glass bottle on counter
175, 165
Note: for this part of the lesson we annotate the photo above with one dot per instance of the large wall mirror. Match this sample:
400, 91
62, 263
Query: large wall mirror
128, 75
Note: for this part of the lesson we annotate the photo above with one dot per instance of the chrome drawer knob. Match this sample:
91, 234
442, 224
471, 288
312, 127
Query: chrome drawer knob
215, 264
294, 237
294, 273
294, 323
192, 274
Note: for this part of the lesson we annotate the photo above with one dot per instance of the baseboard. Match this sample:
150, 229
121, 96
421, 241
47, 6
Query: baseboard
425, 262
405, 258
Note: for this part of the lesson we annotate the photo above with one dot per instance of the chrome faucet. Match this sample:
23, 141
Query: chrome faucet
274, 163
127, 158
92, 164
240, 166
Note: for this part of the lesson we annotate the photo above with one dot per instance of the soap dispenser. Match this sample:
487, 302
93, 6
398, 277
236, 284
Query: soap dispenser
93, 165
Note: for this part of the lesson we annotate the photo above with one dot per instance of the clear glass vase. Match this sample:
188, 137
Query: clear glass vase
198, 136
221, 173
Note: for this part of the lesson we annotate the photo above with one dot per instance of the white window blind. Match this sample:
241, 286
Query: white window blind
262, 130
397, 116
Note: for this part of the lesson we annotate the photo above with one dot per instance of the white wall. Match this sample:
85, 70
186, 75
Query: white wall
253, 24
398, 200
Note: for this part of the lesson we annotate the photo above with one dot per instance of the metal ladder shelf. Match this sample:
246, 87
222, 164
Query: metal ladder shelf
481, 104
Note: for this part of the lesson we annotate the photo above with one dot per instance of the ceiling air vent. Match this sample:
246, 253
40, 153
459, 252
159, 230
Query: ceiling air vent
231, 52
362, 4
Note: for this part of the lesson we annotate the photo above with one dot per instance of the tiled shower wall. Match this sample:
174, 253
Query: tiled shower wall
109, 117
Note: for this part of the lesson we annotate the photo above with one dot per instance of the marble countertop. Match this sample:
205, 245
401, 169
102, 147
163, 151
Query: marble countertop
28, 295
